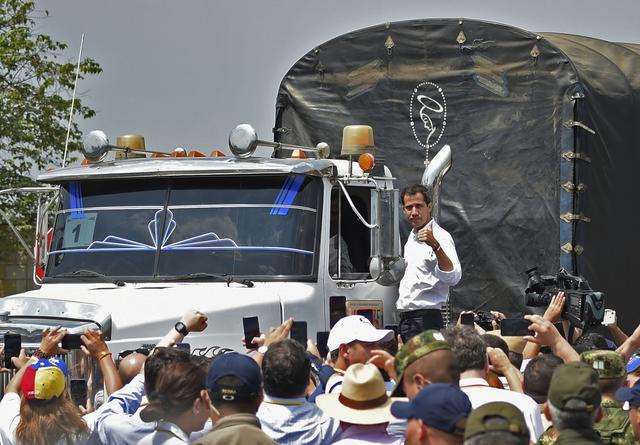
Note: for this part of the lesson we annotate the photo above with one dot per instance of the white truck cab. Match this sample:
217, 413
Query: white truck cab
136, 242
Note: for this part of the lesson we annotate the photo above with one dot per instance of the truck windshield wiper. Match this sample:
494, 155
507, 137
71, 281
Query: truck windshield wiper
85, 273
210, 276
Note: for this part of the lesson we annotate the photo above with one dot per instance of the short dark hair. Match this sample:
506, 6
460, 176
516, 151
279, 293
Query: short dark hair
286, 369
178, 386
159, 359
468, 347
414, 190
493, 341
537, 376
516, 359
590, 341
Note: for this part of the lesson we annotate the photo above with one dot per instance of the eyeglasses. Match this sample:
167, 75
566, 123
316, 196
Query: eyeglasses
123, 354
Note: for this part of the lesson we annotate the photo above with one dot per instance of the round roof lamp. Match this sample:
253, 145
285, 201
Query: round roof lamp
357, 139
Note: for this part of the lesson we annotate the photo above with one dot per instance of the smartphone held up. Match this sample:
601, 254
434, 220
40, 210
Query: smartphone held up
12, 346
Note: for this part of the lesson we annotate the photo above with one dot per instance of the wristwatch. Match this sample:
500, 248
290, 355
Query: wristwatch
181, 328
263, 349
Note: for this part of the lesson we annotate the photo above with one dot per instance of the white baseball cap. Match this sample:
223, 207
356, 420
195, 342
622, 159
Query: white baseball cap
352, 328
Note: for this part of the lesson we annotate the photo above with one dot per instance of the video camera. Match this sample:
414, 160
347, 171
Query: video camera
583, 306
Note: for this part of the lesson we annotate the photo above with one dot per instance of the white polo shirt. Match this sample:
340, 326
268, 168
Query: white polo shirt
479, 393
424, 285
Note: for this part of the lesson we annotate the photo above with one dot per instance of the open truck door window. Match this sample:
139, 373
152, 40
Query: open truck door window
349, 240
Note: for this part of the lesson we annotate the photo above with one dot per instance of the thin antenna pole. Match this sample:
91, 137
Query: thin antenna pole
73, 100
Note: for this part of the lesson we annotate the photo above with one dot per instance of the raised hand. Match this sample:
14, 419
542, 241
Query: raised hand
195, 321
426, 236
51, 338
554, 311
94, 346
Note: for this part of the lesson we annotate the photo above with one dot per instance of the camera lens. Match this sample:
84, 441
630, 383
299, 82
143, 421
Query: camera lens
534, 284
537, 300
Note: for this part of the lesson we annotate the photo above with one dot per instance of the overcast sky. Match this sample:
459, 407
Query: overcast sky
184, 73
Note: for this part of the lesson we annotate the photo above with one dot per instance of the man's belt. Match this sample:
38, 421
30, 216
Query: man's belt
419, 313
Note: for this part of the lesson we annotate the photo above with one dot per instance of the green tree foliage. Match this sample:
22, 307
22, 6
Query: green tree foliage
35, 99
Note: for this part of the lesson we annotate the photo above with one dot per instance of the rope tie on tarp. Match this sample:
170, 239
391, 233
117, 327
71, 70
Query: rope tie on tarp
571, 124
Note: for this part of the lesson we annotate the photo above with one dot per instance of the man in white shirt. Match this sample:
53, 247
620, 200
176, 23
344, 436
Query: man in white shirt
432, 266
471, 357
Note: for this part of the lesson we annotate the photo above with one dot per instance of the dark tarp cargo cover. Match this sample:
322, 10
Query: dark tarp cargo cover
543, 128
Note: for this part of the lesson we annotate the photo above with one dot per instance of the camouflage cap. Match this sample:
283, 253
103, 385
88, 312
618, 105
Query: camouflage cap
417, 347
496, 416
608, 364
574, 381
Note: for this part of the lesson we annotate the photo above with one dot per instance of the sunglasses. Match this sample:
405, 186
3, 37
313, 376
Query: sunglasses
123, 354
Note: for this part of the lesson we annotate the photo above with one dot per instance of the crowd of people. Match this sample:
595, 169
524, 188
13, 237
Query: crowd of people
451, 386
430, 384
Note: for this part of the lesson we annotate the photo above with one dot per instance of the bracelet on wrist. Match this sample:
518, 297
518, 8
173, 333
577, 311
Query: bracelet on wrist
104, 354
40, 354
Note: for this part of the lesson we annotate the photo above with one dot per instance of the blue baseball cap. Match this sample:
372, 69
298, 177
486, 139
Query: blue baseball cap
631, 395
634, 363
247, 383
439, 405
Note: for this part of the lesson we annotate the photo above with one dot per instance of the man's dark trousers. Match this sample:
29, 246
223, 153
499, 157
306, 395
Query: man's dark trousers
415, 322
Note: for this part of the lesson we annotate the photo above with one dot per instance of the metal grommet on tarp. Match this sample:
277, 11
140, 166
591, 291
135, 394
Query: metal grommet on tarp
570, 217
568, 248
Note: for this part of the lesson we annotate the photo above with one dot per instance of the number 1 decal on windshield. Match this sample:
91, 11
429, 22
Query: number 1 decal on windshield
78, 230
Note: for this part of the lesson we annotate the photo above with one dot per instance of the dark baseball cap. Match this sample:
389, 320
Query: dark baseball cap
247, 382
440, 405
496, 416
414, 349
574, 381
631, 395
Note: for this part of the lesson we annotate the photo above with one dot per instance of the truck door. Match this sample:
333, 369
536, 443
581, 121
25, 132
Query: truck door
348, 282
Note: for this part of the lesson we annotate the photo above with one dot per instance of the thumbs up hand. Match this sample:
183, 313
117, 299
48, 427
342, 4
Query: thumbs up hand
426, 236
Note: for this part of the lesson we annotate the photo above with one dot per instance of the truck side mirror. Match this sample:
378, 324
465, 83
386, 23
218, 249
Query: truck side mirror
387, 265
44, 234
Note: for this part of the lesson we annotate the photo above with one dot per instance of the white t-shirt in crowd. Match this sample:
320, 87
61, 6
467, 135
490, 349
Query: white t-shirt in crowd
479, 393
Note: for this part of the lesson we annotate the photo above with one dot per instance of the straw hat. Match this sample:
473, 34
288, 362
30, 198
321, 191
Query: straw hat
363, 399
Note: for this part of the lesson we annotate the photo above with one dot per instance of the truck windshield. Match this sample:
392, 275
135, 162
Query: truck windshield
258, 227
